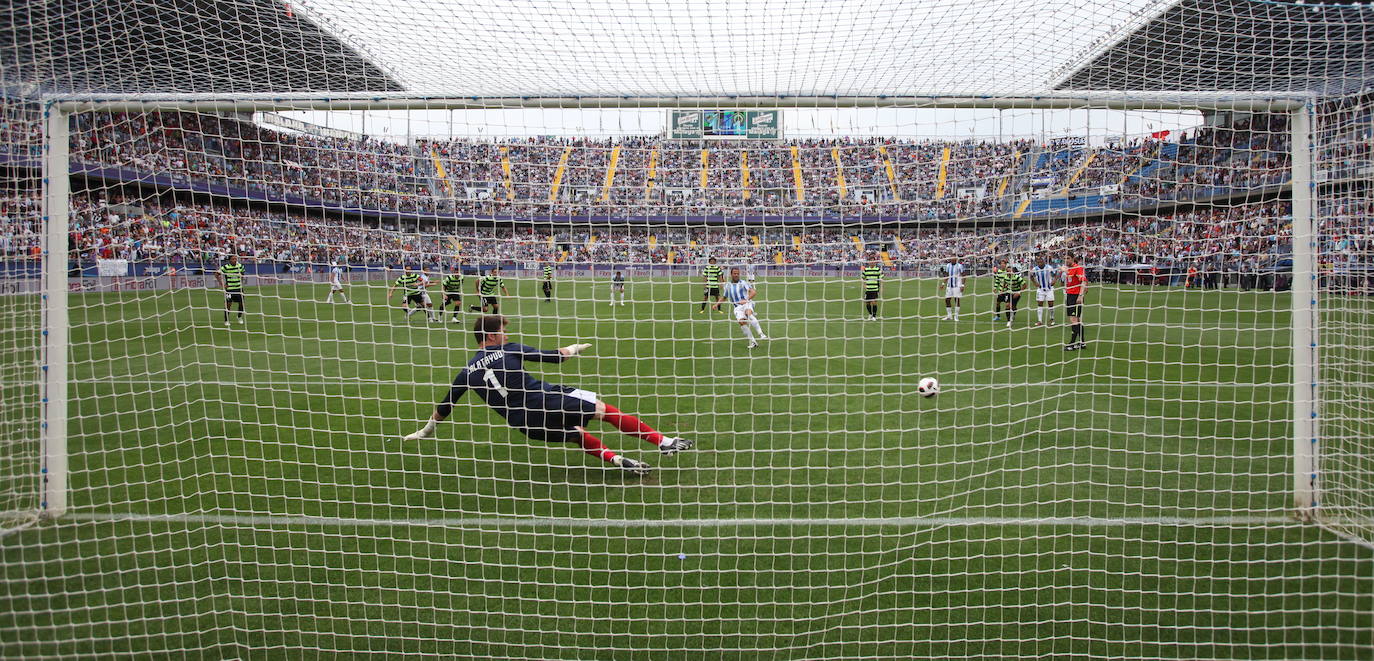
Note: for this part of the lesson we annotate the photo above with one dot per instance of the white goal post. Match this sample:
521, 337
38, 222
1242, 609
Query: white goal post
1304, 301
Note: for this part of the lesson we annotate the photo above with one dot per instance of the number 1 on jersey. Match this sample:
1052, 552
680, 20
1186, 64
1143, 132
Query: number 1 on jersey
490, 377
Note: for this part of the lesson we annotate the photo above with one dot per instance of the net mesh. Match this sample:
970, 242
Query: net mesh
1341, 160
239, 481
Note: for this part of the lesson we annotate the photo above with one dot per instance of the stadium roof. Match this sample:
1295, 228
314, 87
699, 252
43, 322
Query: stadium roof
677, 48
1314, 46
177, 46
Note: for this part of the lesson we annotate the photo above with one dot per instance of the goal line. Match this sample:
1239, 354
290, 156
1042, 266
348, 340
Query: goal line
574, 523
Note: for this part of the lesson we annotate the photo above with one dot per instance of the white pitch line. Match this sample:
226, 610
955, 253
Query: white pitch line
559, 522
697, 381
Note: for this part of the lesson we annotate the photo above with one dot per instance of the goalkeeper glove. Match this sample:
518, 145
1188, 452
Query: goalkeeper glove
424, 432
574, 349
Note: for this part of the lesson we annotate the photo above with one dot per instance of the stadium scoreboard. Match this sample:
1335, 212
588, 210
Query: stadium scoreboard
724, 124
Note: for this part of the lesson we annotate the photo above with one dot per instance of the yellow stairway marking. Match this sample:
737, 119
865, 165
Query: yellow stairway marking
439, 168
744, 175
1015, 161
891, 173
944, 172
1079, 172
610, 174
505, 169
558, 174
839, 170
653, 172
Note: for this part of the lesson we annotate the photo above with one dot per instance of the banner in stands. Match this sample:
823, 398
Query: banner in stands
112, 267
306, 127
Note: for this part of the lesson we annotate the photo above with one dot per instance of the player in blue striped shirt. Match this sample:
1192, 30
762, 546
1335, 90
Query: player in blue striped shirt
954, 288
1043, 276
742, 293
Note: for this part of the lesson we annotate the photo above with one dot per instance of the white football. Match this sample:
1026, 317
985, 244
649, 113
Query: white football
928, 387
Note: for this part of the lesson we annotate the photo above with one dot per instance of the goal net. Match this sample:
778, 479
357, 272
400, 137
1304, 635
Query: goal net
1341, 164
268, 287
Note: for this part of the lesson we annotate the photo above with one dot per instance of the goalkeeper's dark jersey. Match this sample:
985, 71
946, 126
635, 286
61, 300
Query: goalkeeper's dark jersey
233, 277
541, 410
453, 283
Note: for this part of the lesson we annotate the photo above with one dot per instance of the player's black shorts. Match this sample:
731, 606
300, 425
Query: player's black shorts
870, 296
418, 299
453, 298
233, 297
1072, 306
1004, 297
713, 292
553, 417
489, 300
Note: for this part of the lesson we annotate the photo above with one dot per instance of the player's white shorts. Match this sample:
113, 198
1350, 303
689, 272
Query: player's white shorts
1044, 295
584, 395
424, 296
954, 292
742, 310
336, 286
618, 287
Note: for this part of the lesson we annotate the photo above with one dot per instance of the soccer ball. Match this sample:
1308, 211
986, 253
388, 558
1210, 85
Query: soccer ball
928, 387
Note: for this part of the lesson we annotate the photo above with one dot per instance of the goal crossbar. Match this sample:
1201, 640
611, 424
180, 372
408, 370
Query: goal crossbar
366, 101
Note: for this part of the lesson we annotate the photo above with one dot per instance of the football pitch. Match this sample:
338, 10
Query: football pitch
244, 492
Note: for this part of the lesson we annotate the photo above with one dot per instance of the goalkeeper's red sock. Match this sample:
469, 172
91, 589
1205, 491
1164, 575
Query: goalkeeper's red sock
593, 446
631, 425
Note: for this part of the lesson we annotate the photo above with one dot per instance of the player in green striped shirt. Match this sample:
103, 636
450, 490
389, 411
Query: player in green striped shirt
1015, 284
712, 275
452, 284
412, 286
548, 282
486, 288
230, 277
873, 281
999, 289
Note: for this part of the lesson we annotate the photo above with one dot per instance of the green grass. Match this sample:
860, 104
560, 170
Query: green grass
1178, 411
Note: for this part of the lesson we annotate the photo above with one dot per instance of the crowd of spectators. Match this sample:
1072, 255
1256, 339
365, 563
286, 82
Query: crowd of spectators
638, 177
853, 179
106, 226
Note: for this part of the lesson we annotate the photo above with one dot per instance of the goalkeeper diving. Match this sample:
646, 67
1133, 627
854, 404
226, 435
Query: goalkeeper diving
541, 411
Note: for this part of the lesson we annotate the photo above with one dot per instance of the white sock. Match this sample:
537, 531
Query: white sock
956, 312
329, 298
344, 297
754, 321
747, 333
1039, 314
